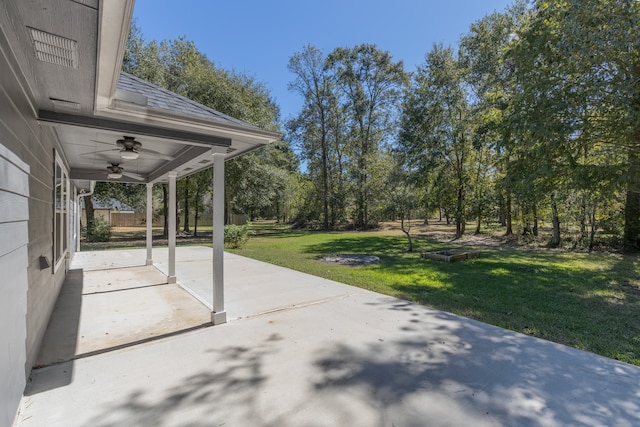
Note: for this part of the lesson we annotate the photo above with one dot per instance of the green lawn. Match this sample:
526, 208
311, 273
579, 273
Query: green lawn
591, 302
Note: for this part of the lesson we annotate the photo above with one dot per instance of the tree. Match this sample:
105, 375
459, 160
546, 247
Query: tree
403, 200
203, 186
577, 101
312, 126
490, 79
371, 85
436, 131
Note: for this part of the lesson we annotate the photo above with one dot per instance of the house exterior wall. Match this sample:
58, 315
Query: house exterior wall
29, 292
14, 215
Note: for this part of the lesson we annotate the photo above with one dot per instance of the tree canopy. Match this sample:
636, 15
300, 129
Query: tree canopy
533, 118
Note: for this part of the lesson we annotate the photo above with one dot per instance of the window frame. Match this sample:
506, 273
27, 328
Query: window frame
61, 189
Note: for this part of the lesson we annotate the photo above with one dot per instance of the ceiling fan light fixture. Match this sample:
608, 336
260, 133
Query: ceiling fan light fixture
114, 176
129, 154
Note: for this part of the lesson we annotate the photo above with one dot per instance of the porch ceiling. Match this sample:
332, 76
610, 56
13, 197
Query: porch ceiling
68, 53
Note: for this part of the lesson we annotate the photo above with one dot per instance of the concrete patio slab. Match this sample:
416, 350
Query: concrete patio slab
104, 309
247, 293
353, 358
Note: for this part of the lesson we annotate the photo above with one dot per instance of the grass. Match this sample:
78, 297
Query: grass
591, 302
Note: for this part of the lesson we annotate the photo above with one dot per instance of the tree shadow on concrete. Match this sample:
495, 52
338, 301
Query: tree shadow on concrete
416, 367
440, 369
231, 384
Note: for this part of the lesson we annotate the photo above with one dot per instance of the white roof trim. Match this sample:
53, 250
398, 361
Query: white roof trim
151, 116
113, 30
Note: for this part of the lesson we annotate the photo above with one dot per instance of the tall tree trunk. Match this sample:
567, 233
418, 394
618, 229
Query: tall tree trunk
509, 230
364, 199
526, 223
583, 217
325, 179
503, 211
555, 241
227, 207
535, 219
407, 231
177, 218
89, 211
197, 209
460, 219
477, 187
631, 237
165, 211
186, 205
366, 214
592, 233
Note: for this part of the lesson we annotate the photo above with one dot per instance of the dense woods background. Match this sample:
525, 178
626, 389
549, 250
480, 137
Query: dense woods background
532, 121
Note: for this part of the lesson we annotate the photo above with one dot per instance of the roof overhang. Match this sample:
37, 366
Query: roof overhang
89, 114
113, 31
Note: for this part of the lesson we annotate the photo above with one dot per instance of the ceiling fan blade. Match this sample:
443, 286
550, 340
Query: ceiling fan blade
101, 142
150, 154
132, 175
91, 140
91, 153
96, 174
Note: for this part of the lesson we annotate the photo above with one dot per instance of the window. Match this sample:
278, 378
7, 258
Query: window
61, 213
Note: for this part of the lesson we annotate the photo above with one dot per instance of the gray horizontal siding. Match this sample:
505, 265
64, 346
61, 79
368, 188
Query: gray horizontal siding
28, 292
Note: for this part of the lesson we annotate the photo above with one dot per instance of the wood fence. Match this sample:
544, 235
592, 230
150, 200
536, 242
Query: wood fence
128, 219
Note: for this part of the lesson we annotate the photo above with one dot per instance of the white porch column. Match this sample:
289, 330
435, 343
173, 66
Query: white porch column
149, 222
172, 227
77, 225
219, 315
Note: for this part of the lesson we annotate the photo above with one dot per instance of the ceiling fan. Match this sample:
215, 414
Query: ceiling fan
115, 171
130, 149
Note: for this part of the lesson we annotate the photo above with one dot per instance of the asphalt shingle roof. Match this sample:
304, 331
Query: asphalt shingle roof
163, 99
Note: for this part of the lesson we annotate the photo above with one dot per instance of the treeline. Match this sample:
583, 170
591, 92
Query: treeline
533, 117
531, 120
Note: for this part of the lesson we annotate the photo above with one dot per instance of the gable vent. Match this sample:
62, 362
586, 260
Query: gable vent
55, 49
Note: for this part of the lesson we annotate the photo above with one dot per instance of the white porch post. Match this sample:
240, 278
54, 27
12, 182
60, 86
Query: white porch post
172, 227
218, 315
149, 222
77, 225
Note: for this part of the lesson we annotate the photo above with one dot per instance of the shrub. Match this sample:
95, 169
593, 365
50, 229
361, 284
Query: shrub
98, 230
236, 236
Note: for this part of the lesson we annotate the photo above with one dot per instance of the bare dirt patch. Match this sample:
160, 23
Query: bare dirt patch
351, 259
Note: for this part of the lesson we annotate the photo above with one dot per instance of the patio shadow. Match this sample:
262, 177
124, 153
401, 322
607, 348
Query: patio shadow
105, 310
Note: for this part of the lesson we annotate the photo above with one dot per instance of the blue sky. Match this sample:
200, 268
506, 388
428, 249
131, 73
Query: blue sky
257, 37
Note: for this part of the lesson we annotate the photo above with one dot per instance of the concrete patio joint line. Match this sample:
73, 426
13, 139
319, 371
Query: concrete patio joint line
295, 306
126, 345
125, 289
